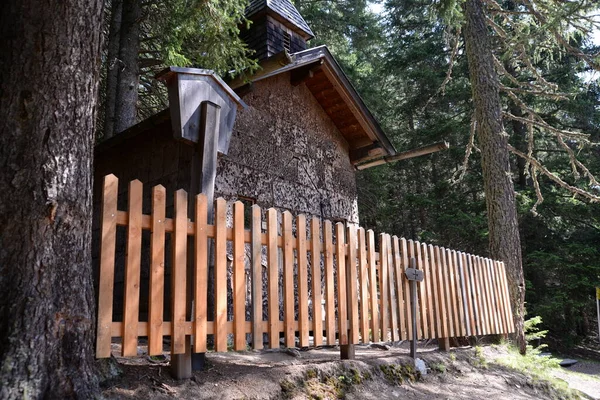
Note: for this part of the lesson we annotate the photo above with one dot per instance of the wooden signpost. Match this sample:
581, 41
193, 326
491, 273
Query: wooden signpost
414, 275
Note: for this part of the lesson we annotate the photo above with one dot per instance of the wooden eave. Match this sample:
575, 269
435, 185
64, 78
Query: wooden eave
323, 76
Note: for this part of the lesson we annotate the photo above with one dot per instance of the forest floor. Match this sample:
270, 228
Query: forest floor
379, 372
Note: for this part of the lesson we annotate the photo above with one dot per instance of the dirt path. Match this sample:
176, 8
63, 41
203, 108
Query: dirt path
583, 376
318, 374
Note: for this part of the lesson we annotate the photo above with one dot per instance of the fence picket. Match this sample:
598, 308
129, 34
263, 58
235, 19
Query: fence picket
329, 282
441, 295
302, 280
405, 264
459, 297
392, 303
239, 277
483, 310
373, 298
288, 280
399, 272
257, 279
179, 273
363, 277
201, 274
428, 279
383, 288
341, 283
316, 282
508, 310
220, 320
273, 281
108, 233
351, 282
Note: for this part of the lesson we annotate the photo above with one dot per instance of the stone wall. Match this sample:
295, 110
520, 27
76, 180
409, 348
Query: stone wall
286, 153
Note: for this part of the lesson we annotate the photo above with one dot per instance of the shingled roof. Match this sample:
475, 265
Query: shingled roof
284, 9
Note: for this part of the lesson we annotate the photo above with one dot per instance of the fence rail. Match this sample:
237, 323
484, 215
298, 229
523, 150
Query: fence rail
364, 292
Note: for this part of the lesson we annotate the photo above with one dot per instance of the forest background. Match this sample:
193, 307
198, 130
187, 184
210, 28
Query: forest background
408, 62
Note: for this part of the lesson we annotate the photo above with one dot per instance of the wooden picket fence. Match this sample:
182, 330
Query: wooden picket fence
364, 291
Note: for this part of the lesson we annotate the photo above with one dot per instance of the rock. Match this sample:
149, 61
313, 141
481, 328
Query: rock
420, 366
292, 352
567, 362
379, 346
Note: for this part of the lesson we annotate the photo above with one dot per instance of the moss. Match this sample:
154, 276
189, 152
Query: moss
398, 373
288, 388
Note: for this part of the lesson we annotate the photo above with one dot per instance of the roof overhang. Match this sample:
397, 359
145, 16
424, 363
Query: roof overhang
324, 77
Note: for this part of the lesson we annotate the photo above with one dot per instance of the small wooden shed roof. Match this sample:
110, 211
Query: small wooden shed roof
323, 76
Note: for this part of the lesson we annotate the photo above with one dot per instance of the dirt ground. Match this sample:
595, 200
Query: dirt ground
377, 373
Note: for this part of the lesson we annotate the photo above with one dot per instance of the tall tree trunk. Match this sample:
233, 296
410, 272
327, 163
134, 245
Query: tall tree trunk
505, 243
113, 65
48, 86
129, 71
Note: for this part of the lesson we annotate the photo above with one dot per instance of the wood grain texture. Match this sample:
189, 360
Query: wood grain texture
303, 317
288, 279
316, 282
131, 299
352, 285
373, 292
220, 335
200, 274
273, 289
257, 279
179, 273
399, 281
108, 232
364, 291
330, 324
157, 271
239, 277
341, 283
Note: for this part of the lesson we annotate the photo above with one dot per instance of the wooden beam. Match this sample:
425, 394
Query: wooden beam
421, 151
300, 75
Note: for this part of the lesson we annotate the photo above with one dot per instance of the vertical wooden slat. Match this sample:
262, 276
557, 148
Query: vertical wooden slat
405, 264
459, 292
273, 265
492, 297
468, 298
399, 278
488, 297
447, 292
443, 332
392, 303
435, 314
257, 279
351, 282
429, 278
288, 280
220, 324
373, 302
341, 283
422, 326
157, 271
303, 318
508, 310
364, 294
476, 291
316, 281
474, 317
201, 273
179, 273
383, 288
451, 256
108, 232
329, 281
239, 277
483, 313
131, 300
499, 307
500, 294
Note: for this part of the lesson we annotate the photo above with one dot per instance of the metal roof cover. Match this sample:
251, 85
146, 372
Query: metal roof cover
284, 8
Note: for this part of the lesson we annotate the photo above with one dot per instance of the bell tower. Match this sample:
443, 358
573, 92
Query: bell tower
276, 26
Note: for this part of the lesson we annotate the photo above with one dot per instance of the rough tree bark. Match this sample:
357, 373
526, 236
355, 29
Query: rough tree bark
49, 66
125, 114
113, 65
505, 243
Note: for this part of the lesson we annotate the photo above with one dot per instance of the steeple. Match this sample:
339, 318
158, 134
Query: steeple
276, 26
